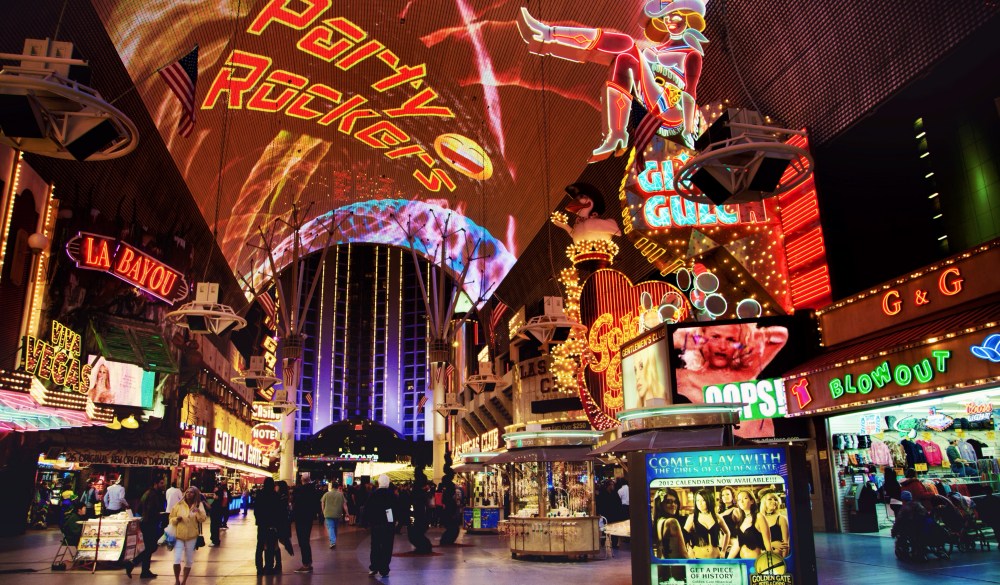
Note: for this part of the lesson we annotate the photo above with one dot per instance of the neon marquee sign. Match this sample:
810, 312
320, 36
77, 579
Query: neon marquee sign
949, 283
57, 360
105, 254
884, 374
614, 312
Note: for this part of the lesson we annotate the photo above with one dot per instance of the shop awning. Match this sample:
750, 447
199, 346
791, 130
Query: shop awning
543, 454
899, 340
469, 468
134, 342
665, 439
19, 412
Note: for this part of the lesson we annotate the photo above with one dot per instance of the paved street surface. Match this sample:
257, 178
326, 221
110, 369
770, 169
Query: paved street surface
843, 559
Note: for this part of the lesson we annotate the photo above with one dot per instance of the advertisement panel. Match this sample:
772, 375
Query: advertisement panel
120, 384
721, 516
645, 370
726, 360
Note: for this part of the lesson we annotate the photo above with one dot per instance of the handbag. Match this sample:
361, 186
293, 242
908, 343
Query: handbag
201, 539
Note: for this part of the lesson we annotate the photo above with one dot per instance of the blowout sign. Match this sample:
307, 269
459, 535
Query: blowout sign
103, 253
267, 438
615, 311
57, 360
938, 363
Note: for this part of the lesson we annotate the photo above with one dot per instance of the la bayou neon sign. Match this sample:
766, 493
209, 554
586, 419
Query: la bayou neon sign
96, 252
57, 360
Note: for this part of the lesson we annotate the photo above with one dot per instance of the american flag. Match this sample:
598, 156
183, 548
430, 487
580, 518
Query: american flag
645, 130
182, 76
495, 316
291, 370
421, 403
270, 309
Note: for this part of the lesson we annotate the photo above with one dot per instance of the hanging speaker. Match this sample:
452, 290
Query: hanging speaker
772, 168
710, 186
87, 136
19, 118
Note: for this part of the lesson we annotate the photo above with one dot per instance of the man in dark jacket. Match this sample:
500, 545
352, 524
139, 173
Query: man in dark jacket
421, 499
988, 508
380, 520
153, 507
215, 514
305, 509
264, 511
451, 511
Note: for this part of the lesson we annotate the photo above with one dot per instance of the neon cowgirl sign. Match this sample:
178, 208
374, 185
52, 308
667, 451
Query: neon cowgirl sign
103, 253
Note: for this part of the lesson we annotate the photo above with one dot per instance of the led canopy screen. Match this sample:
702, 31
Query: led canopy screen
120, 384
439, 104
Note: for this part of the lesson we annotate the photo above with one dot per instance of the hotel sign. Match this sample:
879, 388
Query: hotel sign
106, 254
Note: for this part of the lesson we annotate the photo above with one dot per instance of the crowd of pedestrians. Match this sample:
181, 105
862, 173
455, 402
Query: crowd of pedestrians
180, 518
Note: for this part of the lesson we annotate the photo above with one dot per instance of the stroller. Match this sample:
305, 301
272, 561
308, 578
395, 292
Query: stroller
917, 535
958, 522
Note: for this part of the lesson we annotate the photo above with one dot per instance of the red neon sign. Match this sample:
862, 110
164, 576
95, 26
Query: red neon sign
96, 252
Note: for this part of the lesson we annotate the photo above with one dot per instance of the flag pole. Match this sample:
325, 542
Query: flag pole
135, 85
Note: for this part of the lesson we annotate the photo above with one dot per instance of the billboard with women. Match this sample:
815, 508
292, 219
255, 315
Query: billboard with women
723, 516
645, 369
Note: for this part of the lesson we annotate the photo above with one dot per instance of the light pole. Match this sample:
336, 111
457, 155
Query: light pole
290, 322
440, 298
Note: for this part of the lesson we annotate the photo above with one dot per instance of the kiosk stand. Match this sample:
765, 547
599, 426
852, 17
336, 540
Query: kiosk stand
485, 493
681, 462
552, 493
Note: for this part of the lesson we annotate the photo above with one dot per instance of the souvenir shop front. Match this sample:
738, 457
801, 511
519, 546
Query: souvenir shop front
906, 390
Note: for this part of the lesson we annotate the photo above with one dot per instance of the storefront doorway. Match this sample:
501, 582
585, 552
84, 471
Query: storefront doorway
913, 435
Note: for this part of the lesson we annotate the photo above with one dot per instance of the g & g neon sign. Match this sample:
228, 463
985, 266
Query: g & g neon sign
949, 284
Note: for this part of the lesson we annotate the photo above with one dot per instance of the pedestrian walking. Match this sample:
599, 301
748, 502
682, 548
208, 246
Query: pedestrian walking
334, 506
89, 497
216, 510
186, 517
265, 510
174, 494
283, 524
153, 508
379, 517
224, 524
305, 509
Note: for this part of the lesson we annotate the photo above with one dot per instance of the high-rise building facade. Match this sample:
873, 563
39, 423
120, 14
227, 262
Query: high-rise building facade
364, 353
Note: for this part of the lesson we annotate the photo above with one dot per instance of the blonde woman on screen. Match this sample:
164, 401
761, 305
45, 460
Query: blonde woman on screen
100, 392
